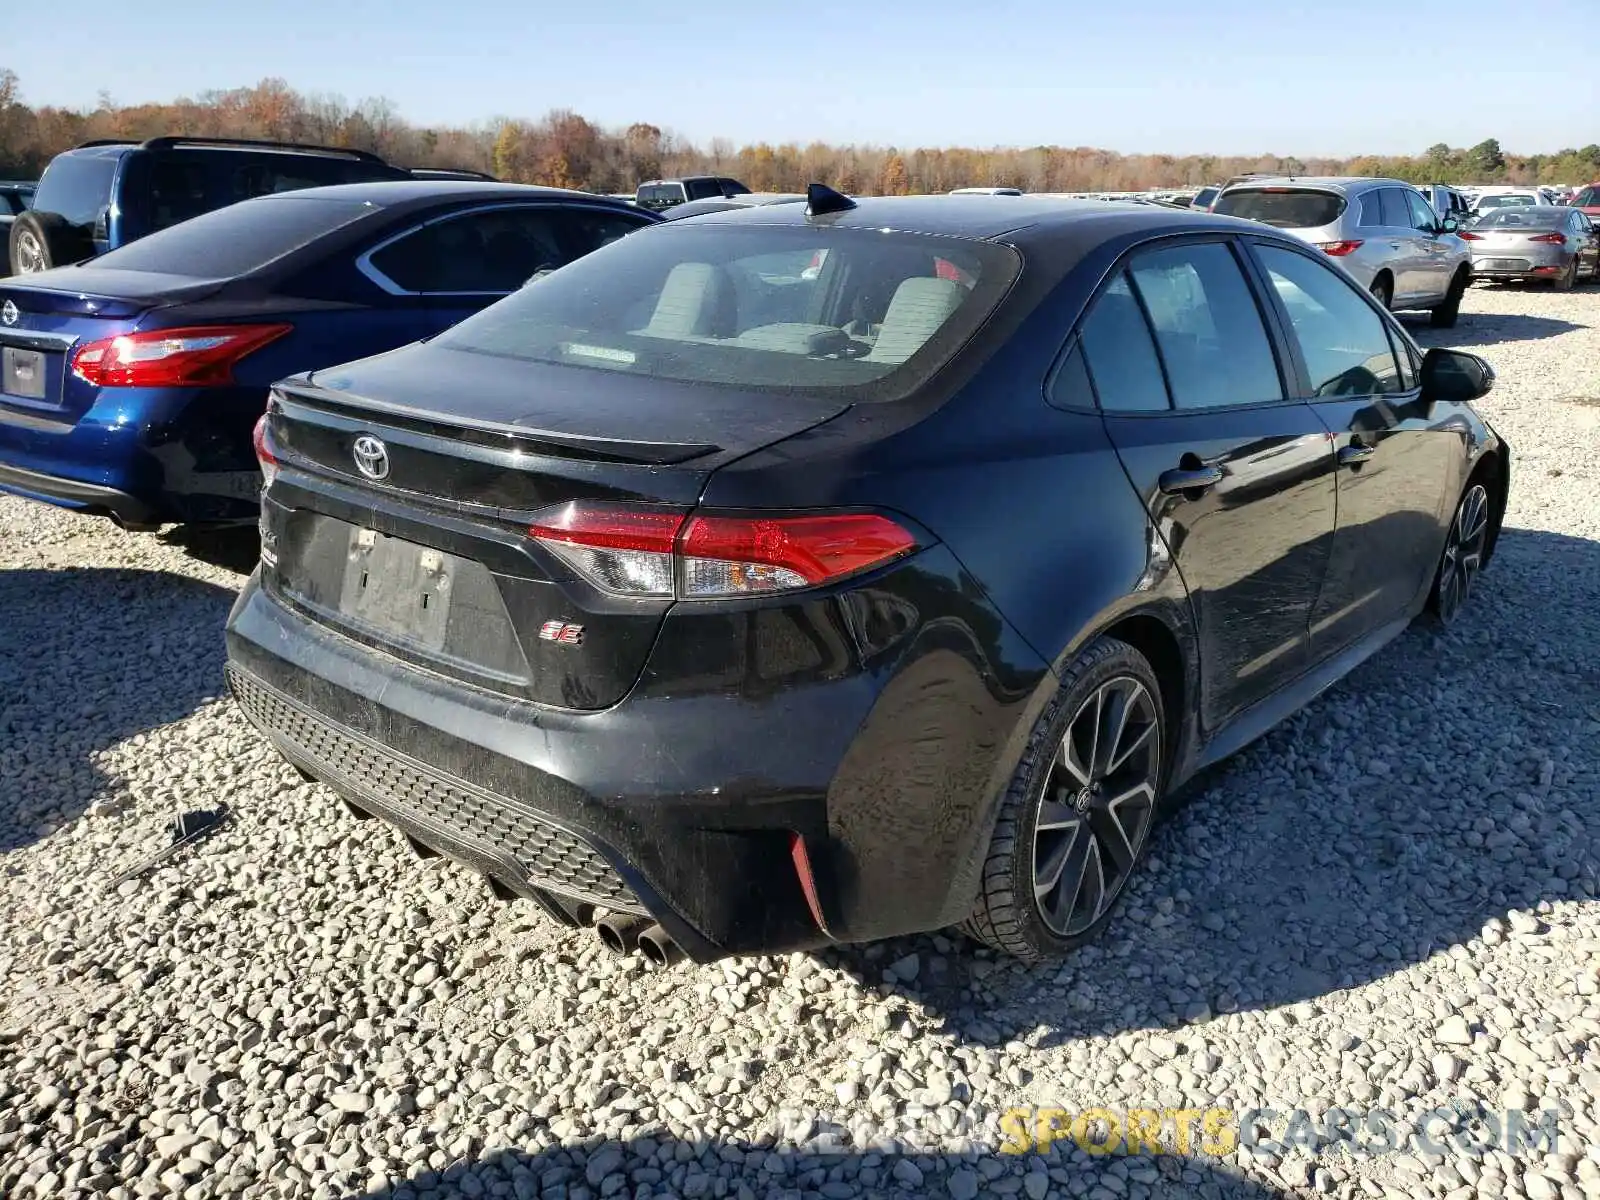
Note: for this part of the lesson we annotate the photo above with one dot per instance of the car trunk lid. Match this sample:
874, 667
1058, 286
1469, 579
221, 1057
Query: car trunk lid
408, 482
45, 318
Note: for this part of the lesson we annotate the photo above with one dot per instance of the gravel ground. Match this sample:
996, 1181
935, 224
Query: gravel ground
1388, 902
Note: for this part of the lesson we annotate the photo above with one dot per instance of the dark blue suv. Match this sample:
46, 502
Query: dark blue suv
106, 194
129, 385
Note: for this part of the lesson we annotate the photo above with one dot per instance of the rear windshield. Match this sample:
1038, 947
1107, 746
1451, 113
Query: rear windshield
1287, 208
77, 186
1203, 197
1487, 202
1525, 216
860, 314
231, 241
659, 193
1588, 197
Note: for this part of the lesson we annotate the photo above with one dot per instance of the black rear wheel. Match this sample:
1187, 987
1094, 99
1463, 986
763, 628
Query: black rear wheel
1568, 278
1383, 291
1074, 822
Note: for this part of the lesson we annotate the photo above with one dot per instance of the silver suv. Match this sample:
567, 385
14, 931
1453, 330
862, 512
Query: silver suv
1382, 231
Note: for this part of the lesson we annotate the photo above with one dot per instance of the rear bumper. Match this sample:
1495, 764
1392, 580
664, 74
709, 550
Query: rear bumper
73, 493
145, 456
686, 807
1520, 264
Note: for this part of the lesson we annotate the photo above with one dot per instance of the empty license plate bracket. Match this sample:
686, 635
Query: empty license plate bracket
22, 373
397, 588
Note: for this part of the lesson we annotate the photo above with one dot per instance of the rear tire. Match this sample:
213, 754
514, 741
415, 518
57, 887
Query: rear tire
1568, 279
1383, 291
40, 241
1445, 315
1074, 822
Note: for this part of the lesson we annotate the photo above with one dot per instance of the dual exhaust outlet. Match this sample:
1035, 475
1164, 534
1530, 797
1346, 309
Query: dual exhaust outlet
622, 933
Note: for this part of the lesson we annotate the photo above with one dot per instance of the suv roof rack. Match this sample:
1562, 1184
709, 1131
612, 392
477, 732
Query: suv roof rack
168, 143
455, 172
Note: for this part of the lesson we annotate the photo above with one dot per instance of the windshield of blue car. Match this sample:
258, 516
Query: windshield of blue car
1526, 216
851, 313
237, 239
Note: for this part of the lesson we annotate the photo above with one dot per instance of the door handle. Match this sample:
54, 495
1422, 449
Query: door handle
1182, 480
1356, 453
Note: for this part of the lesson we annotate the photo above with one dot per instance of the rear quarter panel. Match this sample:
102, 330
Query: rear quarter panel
1033, 504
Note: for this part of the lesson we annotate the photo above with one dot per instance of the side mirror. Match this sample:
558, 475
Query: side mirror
1448, 225
1454, 377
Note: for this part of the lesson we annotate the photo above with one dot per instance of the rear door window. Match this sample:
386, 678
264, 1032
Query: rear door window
590, 230
1343, 340
177, 185
490, 251
1284, 207
1207, 327
77, 187
1121, 354
1395, 213
231, 241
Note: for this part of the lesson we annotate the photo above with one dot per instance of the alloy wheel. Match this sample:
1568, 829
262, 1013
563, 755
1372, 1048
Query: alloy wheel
30, 254
1096, 806
1463, 552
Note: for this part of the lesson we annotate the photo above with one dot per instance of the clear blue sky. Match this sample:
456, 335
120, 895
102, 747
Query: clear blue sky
1178, 76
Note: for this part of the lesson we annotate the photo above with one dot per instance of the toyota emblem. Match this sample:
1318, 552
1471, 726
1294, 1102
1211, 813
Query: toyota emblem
9, 313
372, 457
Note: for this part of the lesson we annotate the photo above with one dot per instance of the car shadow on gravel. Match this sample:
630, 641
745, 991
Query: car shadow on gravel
90, 657
1450, 781
1486, 329
235, 548
648, 1166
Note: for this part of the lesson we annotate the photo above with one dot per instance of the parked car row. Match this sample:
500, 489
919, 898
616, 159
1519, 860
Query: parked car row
793, 571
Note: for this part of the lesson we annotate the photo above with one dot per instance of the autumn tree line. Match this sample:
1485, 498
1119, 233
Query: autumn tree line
564, 149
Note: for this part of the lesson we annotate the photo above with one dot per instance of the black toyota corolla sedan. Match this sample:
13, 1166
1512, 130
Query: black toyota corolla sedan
817, 573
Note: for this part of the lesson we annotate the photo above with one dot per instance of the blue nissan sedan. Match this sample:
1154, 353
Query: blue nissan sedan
130, 384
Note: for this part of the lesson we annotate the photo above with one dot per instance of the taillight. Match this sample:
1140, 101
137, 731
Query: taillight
264, 454
200, 356
652, 553
1470, 237
1339, 249
1550, 239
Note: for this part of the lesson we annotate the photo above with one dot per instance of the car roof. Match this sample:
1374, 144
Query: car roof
981, 217
399, 193
1344, 183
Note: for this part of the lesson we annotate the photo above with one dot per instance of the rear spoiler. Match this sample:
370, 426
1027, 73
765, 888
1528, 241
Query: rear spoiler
356, 412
